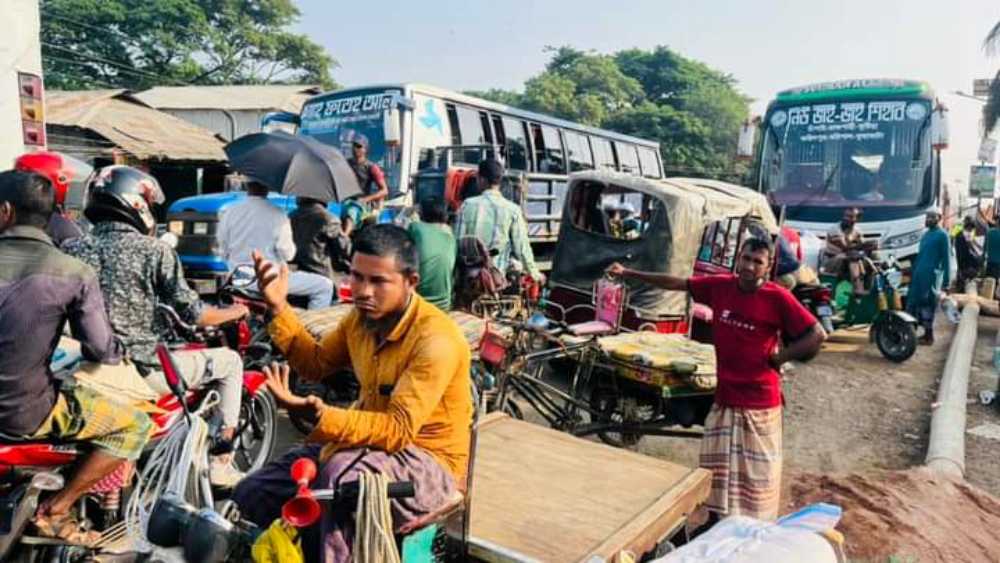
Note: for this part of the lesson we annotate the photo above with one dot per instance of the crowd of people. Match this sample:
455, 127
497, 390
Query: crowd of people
105, 284
414, 413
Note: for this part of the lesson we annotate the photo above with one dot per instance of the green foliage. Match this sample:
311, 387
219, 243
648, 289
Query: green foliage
137, 44
692, 110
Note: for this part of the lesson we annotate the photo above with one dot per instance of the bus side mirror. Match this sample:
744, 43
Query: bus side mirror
390, 126
939, 127
280, 121
745, 143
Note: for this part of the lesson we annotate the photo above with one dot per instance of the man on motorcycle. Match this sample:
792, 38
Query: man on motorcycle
412, 363
257, 223
137, 271
496, 221
57, 170
40, 290
844, 250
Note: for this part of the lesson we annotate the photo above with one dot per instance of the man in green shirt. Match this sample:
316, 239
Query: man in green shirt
436, 248
993, 251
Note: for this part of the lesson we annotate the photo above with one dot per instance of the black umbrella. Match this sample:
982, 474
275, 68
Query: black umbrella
295, 165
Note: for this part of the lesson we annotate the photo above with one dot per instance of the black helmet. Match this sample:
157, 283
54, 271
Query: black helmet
125, 194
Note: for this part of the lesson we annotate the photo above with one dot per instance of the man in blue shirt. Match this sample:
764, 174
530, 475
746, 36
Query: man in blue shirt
931, 272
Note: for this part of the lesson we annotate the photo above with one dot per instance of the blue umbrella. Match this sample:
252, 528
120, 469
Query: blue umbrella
295, 165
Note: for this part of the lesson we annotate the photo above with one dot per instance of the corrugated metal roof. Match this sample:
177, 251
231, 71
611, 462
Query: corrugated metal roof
286, 97
121, 118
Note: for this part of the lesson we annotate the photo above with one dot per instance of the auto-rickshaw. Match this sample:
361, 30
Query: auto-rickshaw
639, 373
681, 226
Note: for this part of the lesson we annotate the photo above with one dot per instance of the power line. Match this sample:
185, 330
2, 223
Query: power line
89, 63
93, 59
50, 14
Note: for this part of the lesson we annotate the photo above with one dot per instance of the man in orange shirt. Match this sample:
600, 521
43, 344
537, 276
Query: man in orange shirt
415, 406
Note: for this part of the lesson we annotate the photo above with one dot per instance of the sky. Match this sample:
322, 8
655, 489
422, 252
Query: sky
766, 45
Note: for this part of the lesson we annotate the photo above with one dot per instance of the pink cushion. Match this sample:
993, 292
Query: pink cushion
591, 328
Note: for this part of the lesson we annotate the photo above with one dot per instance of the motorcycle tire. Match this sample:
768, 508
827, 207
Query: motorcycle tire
254, 447
895, 338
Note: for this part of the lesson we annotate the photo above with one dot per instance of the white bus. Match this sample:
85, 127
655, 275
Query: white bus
413, 128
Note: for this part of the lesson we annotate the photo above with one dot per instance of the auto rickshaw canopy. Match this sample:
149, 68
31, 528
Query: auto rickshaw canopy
661, 232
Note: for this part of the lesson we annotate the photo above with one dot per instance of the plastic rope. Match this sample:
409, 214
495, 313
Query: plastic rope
373, 538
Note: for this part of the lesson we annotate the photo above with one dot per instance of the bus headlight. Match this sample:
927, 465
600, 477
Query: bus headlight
905, 239
176, 227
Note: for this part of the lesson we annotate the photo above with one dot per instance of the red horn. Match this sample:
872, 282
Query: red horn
303, 510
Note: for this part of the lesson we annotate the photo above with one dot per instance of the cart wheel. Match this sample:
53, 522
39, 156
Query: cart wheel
608, 401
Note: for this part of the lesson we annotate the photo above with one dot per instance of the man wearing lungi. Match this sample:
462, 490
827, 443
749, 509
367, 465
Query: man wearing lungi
415, 405
752, 316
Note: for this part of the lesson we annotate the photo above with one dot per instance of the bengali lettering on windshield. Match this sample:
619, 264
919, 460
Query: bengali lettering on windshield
831, 154
343, 119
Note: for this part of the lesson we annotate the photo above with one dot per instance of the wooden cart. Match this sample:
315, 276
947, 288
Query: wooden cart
543, 495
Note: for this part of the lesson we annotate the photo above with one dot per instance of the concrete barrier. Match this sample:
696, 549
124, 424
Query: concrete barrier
946, 448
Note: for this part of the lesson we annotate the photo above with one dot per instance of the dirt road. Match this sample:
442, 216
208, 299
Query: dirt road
849, 409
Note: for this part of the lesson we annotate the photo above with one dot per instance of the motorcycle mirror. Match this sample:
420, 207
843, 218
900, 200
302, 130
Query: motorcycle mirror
170, 239
244, 276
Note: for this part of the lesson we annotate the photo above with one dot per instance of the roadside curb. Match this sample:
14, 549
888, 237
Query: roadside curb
946, 446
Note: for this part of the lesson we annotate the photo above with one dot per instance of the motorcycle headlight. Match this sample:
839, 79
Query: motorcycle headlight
905, 239
176, 227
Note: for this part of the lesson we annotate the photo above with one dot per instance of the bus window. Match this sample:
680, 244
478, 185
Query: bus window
456, 139
580, 157
549, 149
628, 160
649, 163
470, 127
604, 157
484, 119
517, 144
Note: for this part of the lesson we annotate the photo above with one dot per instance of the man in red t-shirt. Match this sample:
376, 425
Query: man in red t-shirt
752, 316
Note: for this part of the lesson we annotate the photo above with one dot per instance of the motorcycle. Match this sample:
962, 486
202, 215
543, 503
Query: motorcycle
33, 469
834, 303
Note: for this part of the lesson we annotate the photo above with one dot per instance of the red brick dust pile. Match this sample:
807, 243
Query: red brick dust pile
905, 516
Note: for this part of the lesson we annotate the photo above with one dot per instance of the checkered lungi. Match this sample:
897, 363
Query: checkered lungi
84, 415
742, 448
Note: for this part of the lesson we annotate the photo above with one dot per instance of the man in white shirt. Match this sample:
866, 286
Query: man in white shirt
258, 224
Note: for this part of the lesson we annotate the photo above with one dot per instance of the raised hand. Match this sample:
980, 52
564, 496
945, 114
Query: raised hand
272, 281
277, 383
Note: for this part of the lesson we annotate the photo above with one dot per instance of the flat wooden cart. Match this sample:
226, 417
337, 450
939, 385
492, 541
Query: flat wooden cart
543, 495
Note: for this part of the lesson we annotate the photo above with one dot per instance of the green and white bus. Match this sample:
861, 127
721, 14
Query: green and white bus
872, 144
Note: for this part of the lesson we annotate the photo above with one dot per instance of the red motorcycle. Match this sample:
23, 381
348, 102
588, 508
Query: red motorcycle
30, 469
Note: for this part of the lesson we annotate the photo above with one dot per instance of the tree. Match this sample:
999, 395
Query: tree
692, 110
137, 44
991, 112
499, 96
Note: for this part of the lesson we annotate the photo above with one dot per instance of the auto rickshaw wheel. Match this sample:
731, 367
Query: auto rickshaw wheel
895, 338
615, 408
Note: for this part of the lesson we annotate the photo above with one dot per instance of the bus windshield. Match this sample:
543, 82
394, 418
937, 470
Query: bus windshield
864, 153
341, 118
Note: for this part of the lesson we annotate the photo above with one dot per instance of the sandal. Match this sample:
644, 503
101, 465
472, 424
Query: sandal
67, 529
